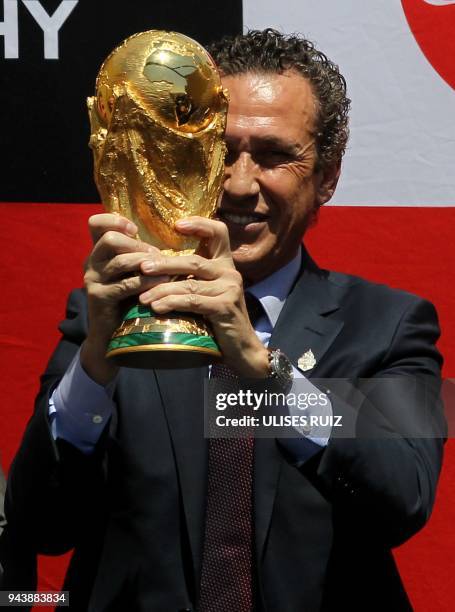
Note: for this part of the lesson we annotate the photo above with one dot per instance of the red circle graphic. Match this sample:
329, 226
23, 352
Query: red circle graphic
432, 23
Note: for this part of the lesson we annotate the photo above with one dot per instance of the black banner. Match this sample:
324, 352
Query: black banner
50, 53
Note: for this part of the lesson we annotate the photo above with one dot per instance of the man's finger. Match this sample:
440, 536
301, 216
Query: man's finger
109, 222
198, 304
120, 265
113, 243
214, 234
185, 265
183, 287
126, 287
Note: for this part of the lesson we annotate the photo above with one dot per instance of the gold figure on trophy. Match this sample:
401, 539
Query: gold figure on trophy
157, 135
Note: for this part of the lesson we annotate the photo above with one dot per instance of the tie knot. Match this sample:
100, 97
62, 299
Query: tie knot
254, 307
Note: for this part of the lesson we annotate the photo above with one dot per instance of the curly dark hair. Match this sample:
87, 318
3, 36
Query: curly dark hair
270, 51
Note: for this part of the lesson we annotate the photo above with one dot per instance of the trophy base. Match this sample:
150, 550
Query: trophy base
159, 351
147, 341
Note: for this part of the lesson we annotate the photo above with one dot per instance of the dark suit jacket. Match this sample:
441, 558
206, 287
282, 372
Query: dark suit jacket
134, 511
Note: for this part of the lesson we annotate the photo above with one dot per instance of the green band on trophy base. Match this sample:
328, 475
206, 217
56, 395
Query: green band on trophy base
164, 349
166, 338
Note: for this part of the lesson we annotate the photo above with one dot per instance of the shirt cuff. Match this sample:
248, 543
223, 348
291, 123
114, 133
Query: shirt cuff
315, 435
319, 415
79, 408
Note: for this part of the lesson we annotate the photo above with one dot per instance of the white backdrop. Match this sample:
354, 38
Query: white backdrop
402, 147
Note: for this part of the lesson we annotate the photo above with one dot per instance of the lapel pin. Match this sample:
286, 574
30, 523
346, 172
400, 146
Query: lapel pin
307, 361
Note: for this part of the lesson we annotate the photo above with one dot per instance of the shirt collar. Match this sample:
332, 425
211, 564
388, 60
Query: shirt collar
273, 290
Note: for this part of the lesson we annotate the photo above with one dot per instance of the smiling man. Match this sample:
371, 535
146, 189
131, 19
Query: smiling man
272, 189
161, 518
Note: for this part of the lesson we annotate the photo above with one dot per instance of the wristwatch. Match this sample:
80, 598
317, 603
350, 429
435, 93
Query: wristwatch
280, 369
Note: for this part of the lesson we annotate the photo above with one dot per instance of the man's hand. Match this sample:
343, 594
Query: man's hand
211, 286
113, 274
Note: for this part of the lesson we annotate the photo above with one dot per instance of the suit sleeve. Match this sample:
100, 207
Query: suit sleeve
52, 486
383, 479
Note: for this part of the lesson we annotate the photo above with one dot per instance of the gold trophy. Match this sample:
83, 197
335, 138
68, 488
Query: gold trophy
157, 134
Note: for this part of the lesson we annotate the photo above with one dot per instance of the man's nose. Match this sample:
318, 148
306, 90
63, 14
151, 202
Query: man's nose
241, 177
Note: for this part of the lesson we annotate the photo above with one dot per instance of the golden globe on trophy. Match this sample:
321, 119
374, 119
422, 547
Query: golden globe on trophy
157, 135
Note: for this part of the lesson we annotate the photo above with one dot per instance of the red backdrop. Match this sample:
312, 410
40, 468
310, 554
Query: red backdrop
43, 250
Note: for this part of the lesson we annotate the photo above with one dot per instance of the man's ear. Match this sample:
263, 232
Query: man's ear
328, 181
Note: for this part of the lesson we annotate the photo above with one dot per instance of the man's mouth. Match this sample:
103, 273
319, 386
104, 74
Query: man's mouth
242, 219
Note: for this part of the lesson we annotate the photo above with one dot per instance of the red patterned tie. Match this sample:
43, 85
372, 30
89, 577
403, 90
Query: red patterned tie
227, 564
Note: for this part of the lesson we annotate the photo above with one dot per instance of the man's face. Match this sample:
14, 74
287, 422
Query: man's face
271, 189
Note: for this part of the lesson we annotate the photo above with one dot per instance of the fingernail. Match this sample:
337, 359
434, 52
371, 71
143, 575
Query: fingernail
184, 224
131, 229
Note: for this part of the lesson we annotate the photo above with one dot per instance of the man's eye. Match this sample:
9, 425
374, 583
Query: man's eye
273, 157
283, 154
265, 158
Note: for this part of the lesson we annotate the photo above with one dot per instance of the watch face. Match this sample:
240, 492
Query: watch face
281, 367
284, 366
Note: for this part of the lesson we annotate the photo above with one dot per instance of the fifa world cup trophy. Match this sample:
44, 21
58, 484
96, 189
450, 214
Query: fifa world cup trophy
157, 135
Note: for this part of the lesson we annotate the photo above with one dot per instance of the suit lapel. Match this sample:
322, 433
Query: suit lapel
183, 399
304, 324
308, 319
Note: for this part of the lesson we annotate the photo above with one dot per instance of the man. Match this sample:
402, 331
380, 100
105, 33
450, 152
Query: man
130, 482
